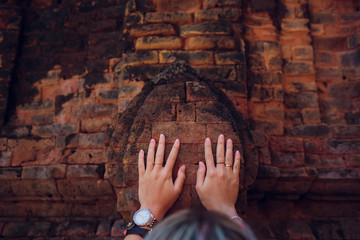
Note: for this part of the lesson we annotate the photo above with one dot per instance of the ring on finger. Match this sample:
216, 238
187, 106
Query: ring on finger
158, 163
228, 165
220, 162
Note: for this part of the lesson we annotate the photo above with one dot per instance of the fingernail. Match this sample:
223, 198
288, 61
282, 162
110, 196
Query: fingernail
152, 141
207, 140
182, 168
177, 141
201, 165
162, 135
228, 141
141, 151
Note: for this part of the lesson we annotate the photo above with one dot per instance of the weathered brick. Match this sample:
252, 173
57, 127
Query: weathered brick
191, 57
283, 144
91, 140
156, 112
338, 173
310, 115
343, 145
351, 59
216, 14
35, 188
5, 159
295, 24
350, 228
323, 160
109, 95
202, 43
117, 230
134, 18
298, 68
271, 110
158, 42
44, 118
347, 131
301, 100
229, 58
185, 112
345, 90
5, 190
26, 229
10, 173
221, 3
198, 91
268, 127
303, 52
84, 189
179, 18
218, 73
287, 159
14, 132
324, 57
326, 229
104, 227
74, 229
187, 132
152, 29
96, 38
167, 93
95, 124
85, 171
212, 112
137, 58
308, 130
334, 44
323, 18
54, 129
69, 141
206, 28
352, 118
214, 130
44, 172
3, 144
298, 229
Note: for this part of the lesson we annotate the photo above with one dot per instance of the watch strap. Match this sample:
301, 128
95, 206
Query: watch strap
132, 228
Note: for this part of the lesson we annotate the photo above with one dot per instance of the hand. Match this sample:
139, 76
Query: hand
219, 190
157, 191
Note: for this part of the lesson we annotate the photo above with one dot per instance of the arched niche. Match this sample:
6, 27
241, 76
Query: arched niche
180, 104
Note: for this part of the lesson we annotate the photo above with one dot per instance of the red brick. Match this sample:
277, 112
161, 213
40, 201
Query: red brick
5, 189
85, 156
287, 159
228, 58
3, 143
185, 112
126, 201
204, 43
104, 227
91, 140
268, 110
179, 18
206, 28
191, 57
84, 171
156, 112
137, 58
152, 29
44, 172
75, 229
84, 189
158, 42
25, 150
221, 3
264, 155
223, 14
95, 124
334, 44
269, 127
214, 130
5, 159
101, 208
283, 144
35, 188
186, 132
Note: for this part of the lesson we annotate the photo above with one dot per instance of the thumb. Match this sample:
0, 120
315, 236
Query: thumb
179, 181
200, 177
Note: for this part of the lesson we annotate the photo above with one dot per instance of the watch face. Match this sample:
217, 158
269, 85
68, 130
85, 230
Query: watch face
141, 217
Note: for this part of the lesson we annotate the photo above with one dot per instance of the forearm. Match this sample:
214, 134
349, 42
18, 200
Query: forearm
133, 237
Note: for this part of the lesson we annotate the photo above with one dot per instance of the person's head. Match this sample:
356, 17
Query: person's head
195, 225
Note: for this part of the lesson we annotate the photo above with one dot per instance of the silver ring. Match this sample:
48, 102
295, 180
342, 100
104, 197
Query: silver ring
221, 162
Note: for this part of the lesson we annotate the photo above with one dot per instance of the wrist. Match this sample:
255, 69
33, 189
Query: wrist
159, 215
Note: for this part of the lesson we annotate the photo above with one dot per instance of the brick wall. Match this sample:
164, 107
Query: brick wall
69, 69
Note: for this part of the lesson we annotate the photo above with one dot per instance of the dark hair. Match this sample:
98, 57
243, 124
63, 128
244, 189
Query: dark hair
195, 225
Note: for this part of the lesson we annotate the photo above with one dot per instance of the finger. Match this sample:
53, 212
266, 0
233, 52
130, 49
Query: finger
160, 152
229, 155
220, 152
236, 168
209, 159
141, 164
180, 179
150, 155
200, 177
172, 156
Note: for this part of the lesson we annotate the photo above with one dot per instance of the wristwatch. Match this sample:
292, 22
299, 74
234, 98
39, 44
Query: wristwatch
144, 219
142, 223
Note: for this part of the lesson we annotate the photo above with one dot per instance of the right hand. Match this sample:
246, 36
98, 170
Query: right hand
218, 190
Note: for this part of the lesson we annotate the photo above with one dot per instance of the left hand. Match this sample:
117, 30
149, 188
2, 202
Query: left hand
157, 191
